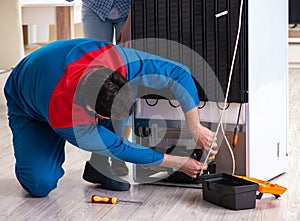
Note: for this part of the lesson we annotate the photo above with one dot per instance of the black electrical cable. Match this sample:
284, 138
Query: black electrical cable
239, 114
151, 105
293, 26
172, 105
221, 108
204, 104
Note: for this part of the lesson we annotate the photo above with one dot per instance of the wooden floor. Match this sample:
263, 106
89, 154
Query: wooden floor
70, 200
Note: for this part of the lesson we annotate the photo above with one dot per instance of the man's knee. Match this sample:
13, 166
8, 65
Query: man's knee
38, 184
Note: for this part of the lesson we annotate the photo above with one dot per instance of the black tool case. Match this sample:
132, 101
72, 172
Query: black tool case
229, 191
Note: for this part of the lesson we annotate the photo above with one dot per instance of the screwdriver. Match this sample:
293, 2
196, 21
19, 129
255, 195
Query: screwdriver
110, 200
236, 129
235, 137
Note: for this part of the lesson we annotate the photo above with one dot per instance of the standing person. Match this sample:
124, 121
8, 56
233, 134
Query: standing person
103, 20
75, 91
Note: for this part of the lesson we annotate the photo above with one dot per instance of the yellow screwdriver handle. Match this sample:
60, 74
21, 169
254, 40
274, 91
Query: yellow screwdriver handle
103, 199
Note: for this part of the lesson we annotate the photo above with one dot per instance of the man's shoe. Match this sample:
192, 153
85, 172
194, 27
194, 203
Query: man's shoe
113, 182
119, 167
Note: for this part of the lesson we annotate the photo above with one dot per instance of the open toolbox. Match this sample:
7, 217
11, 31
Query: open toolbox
236, 192
229, 191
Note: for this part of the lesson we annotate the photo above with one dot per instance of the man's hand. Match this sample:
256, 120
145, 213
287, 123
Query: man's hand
192, 167
124, 37
188, 165
204, 137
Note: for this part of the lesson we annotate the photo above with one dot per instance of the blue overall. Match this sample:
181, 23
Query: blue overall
43, 115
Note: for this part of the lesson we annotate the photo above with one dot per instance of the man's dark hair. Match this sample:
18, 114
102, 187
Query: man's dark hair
101, 89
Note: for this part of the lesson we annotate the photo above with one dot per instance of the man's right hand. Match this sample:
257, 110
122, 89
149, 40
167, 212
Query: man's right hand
192, 167
188, 165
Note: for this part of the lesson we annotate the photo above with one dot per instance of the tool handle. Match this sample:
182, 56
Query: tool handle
103, 199
235, 137
265, 186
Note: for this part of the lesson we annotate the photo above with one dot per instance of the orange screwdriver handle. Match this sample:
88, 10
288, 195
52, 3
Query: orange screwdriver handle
235, 137
103, 199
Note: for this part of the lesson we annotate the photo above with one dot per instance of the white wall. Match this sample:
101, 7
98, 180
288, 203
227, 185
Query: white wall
11, 39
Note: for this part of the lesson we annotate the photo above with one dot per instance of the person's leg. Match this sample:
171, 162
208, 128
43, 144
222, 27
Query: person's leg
39, 154
97, 170
94, 27
118, 165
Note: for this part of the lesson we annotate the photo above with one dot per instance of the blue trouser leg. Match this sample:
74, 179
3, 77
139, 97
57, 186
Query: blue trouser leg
94, 27
39, 154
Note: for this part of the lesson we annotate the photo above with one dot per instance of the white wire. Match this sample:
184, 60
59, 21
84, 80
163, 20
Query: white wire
228, 85
230, 150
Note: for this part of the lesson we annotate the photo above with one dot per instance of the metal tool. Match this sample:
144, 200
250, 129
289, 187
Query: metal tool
110, 200
236, 129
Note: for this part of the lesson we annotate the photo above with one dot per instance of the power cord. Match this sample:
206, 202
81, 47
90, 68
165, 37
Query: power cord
226, 97
230, 150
